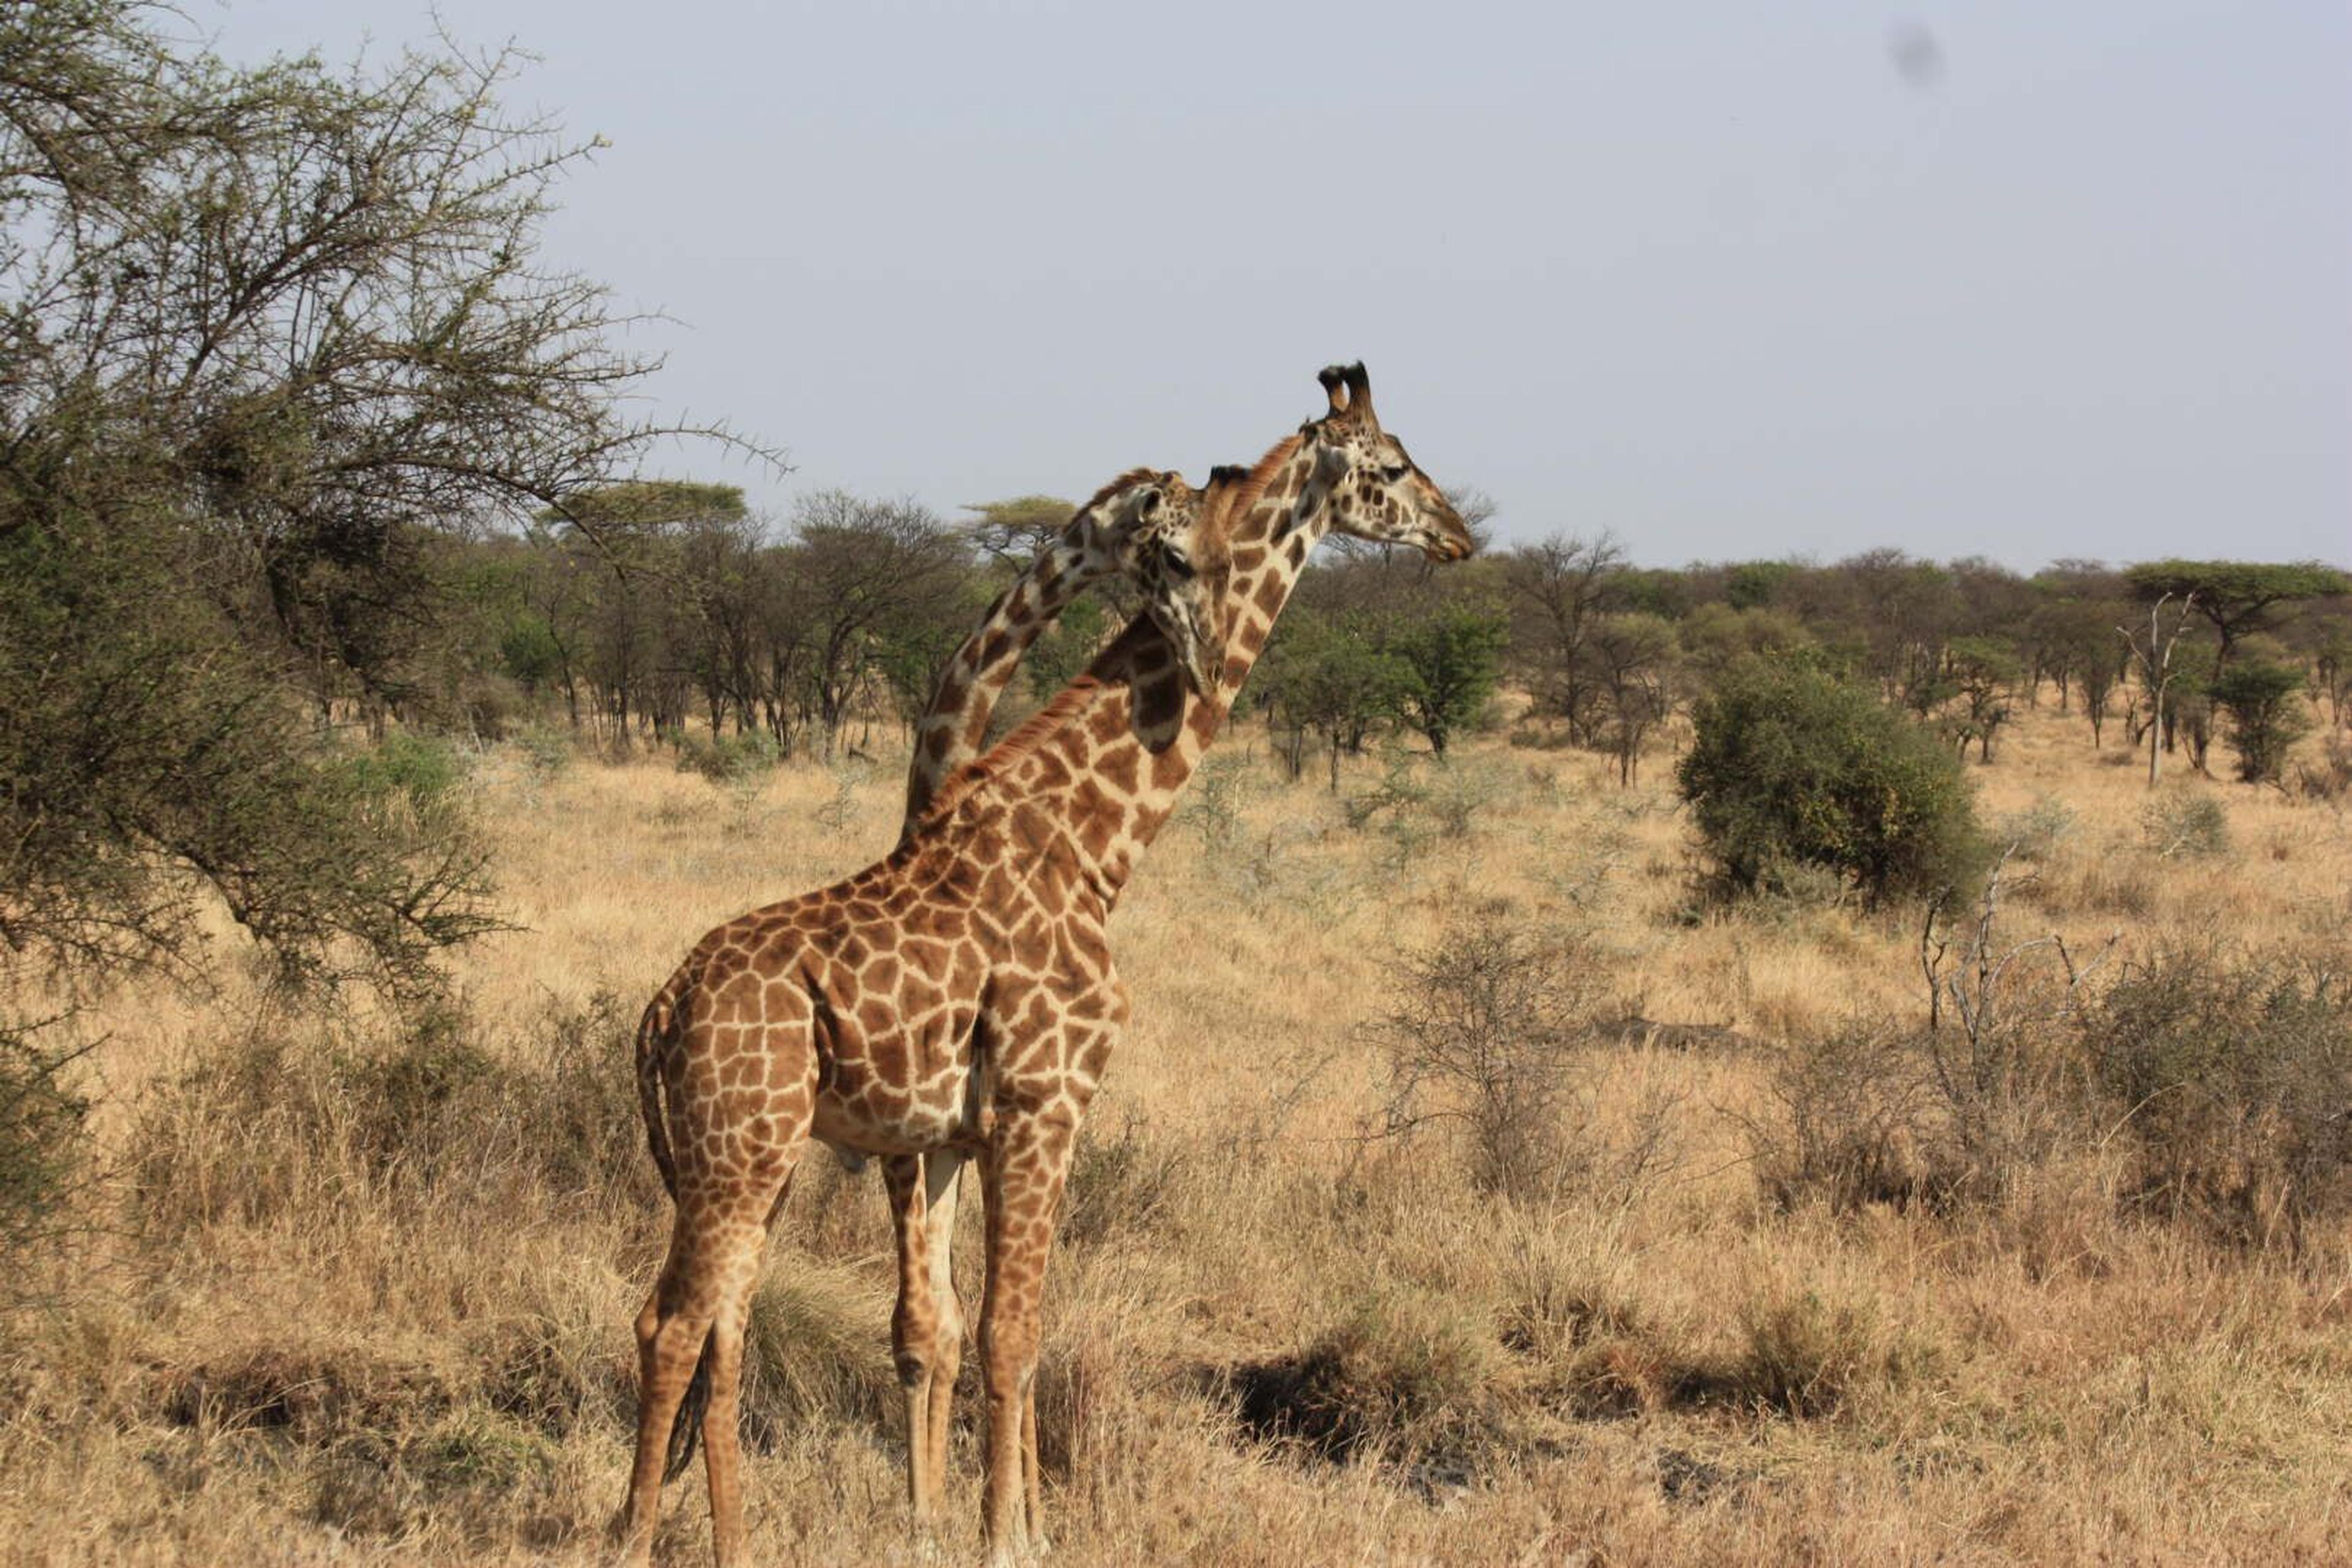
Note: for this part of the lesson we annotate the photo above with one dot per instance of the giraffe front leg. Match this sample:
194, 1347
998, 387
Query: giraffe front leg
1024, 1176
914, 1326
942, 1177
1031, 1477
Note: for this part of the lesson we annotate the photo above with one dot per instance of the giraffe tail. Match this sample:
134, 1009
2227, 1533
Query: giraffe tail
686, 1430
655, 1031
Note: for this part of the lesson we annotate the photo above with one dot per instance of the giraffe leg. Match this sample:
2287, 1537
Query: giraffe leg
722, 1429
1029, 1472
942, 1177
670, 1335
1024, 1175
913, 1327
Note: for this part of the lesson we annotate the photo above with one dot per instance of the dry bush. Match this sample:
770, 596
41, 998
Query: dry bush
391, 1447
2328, 775
1576, 1312
1806, 1353
816, 1347
466, 1481
1119, 1186
421, 1108
2231, 1077
2039, 831
2109, 884
1401, 1373
1498, 1033
1960, 1113
1851, 1123
42, 1151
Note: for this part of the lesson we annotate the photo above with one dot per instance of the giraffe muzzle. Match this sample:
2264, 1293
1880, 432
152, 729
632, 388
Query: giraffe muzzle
1200, 656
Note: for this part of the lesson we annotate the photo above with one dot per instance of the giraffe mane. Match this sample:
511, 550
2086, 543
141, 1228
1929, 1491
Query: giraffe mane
1243, 488
1132, 477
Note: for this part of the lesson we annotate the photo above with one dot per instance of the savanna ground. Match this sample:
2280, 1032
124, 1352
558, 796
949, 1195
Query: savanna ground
350, 1288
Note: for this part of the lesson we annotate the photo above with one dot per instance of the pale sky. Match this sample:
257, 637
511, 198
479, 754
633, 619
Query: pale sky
1725, 278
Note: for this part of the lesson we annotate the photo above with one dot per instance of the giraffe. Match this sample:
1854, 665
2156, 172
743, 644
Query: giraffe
1139, 527
960, 994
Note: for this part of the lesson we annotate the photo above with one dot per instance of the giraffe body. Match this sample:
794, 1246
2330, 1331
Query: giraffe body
960, 995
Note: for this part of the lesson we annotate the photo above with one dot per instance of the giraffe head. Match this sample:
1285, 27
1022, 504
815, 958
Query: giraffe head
1377, 492
1151, 529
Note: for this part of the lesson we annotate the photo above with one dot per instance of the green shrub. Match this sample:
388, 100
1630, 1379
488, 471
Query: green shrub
731, 762
2184, 823
546, 750
423, 771
2265, 703
1790, 766
2037, 831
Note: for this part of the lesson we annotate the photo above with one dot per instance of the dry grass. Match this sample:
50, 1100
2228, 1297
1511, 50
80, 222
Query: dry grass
357, 1289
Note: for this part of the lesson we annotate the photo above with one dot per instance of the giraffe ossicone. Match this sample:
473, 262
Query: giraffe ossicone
959, 998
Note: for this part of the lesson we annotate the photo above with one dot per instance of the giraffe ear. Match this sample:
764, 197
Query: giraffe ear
1144, 505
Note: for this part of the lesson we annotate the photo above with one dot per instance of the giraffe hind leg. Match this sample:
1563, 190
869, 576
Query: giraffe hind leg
722, 1439
690, 1338
670, 1345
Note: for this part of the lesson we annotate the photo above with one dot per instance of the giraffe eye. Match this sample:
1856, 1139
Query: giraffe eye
1178, 566
1399, 472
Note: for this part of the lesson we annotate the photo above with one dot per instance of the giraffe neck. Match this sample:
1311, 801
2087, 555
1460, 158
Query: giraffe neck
953, 727
1109, 756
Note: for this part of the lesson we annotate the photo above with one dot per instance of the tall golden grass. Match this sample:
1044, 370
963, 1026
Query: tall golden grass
356, 1289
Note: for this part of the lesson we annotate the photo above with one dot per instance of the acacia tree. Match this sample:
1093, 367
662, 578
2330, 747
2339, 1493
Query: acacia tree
2265, 700
1636, 658
2238, 597
264, 334
1324, 673
1558, 587
1983, 670
871, 573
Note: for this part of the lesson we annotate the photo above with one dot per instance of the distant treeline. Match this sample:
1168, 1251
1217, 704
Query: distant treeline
667, 607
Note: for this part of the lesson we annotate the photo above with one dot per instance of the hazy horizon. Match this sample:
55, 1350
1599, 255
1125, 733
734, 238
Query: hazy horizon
1997, 282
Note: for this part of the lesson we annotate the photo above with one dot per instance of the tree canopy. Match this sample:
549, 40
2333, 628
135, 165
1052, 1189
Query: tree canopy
268, 337
2238, 597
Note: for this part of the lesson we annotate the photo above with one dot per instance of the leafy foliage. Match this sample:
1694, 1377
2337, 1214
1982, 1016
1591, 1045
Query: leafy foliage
1791, 767
2265, 703
269, 336
1454, 656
